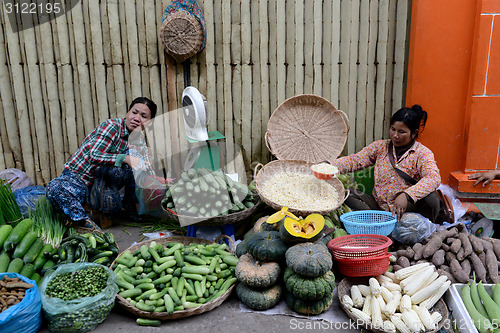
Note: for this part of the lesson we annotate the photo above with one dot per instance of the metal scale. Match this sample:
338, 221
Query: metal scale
204, 152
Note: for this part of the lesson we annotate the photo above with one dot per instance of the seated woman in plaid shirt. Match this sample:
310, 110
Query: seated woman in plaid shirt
104, 153
391, 192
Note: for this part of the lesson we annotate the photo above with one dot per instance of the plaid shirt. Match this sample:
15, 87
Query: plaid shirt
418, 162
100, 148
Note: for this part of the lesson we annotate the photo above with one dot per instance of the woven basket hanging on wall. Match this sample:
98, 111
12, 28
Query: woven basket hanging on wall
183, 32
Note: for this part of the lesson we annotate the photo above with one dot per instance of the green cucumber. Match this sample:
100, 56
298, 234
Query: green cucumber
5, 231
4, 262
27, 270
33, 251
17, 234
148, 322
36, 277
25, 244
41, 258
15, 266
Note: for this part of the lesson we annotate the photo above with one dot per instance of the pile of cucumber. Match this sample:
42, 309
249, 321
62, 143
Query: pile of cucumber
23, 251
174, 277
89, 247
207, 193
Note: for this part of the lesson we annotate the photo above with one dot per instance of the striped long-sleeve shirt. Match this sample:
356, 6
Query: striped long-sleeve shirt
418, 162
104, 146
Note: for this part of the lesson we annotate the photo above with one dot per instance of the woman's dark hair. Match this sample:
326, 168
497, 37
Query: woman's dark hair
149, 103
413, 117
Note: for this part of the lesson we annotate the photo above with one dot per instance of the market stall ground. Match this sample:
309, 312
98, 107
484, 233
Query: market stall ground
228, 316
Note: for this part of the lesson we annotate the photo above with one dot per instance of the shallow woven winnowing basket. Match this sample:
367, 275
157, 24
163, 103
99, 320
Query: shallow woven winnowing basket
181, 35
177, 314
264, 173
307, 128
344, 288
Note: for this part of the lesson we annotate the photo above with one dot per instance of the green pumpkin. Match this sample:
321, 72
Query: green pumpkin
267, 246
309, 288
241, 248
258, 298
309, 259
254, 273
314, 307
309, 229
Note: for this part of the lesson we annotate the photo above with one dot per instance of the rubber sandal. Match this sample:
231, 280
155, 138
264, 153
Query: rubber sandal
89, 224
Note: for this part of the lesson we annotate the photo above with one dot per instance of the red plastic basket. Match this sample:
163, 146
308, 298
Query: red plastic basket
364, 266
359, 246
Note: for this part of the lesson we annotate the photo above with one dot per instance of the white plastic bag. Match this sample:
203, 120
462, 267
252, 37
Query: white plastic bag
17, 178
458, 209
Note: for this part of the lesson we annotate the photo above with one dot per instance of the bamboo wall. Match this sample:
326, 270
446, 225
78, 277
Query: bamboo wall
60, 79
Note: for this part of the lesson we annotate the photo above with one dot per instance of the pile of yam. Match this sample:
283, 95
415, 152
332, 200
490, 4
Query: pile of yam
455, 253
12, 291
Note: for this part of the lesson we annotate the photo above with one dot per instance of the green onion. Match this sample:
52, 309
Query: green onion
47, 222
9, 209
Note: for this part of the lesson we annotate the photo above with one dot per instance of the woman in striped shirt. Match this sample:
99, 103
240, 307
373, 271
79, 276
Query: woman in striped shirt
105, 153
391, 191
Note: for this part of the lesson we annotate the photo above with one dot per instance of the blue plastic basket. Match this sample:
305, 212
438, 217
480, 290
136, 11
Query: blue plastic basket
375, 222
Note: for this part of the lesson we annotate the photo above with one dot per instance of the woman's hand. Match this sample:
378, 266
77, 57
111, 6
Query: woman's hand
487, 177
134, 162
399, 207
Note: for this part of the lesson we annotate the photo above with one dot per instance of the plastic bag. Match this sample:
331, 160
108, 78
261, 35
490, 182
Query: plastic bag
149, 192
459, 210
413, 228
26, 316
26, 198
82, 314
22, 180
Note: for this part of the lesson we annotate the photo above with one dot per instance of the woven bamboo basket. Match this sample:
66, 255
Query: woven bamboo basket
177, 314
263, 173
307, 128
216, 220
181, 35
344, 288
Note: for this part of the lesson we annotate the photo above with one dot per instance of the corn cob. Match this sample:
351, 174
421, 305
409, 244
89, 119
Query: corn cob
400, 325
356, 296
386, 294
391, 306
425, 317
374, 287
376, 313
347, 302
405, 272
364, 289
392, 286
411, 320
428, 291
367, 306
389, 327
429, 302
360, 315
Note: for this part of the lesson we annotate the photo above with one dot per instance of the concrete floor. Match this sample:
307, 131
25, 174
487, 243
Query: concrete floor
227, 316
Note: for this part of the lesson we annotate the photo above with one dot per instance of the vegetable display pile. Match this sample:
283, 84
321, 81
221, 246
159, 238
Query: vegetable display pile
99, 248
86, 282
77, 297
308, 278
12, 291
23, 252
9, 209
401, 301
206, 193
456, 254
174, 277
483, 307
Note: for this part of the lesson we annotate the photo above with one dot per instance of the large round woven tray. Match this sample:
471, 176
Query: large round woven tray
216, 220
307, 128
181, 35
344, 288
177, 314
263, 173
